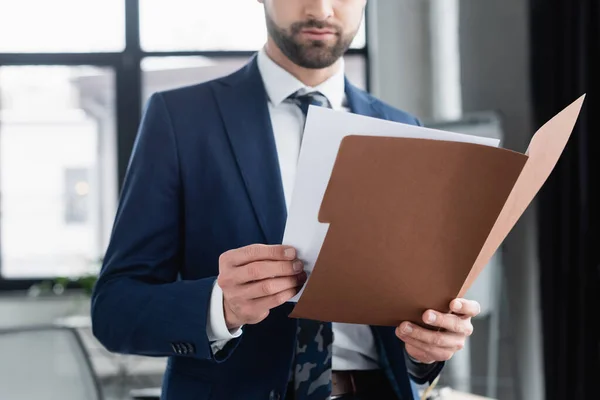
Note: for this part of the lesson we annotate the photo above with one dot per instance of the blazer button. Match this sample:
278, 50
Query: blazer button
190, 348
274, 395
177, 348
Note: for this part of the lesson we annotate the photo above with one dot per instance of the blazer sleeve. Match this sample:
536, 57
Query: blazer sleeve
139, 306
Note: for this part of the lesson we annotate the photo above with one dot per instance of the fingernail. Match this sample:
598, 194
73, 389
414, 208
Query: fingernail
298, 266
407, 329
457, 306
431, 317
290, 253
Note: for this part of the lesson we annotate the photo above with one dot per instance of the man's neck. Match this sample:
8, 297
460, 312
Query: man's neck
310, 77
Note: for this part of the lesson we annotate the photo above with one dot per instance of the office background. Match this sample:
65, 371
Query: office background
75, 74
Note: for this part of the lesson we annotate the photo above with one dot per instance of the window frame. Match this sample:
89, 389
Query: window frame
128, 80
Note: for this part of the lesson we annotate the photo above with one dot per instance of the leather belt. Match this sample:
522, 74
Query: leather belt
342, 383
357, 382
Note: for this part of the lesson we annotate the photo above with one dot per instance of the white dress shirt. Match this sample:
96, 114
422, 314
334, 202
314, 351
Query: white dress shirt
354, 345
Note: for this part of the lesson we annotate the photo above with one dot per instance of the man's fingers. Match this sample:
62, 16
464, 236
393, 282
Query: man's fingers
468, 308
419, 354
441, 344
257, 252
254, 310
270, 302
257, 271
429, 338
450, 322
272, 286
425, 354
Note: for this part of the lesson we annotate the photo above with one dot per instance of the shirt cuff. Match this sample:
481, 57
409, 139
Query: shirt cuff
421, 372
216, 326
414, 360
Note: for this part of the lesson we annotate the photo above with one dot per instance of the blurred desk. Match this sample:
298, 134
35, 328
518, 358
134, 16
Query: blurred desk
450, 394
442, 394
146, 394
121, 372
109, 364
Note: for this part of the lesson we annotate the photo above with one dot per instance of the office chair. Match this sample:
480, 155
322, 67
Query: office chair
45, 362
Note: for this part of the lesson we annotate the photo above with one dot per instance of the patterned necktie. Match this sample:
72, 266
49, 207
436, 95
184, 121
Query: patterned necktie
312, 366
303, 101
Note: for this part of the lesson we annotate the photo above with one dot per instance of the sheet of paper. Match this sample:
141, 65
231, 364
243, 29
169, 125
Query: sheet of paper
324, 131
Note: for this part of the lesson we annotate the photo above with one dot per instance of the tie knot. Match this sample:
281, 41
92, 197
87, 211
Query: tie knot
314, 98
307, 99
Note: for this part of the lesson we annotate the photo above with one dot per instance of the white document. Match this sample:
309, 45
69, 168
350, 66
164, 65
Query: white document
323, 134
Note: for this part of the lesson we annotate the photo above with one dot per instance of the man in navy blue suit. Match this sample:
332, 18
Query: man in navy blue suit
195, 269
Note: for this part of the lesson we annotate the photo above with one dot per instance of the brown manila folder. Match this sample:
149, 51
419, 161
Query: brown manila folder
414, 221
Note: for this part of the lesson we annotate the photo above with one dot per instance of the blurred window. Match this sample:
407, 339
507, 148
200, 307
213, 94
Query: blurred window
187, 25
77, 190
62, 26
72, 89
57, 169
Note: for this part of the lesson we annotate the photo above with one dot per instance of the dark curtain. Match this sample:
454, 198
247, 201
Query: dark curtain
565, 50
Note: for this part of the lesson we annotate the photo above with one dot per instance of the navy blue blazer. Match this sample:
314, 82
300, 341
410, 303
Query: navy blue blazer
204, 178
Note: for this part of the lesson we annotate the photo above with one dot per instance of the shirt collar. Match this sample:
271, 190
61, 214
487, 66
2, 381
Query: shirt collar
280, 84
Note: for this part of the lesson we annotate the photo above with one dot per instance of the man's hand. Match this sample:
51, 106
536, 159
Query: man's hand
429, 346
257, 278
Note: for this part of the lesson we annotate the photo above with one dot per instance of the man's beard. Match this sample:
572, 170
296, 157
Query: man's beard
315, 54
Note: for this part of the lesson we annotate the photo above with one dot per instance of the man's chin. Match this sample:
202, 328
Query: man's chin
316, 54
316, 62
318, 50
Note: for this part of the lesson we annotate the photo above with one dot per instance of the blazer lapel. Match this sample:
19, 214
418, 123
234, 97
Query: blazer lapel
243, 100
360, 102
